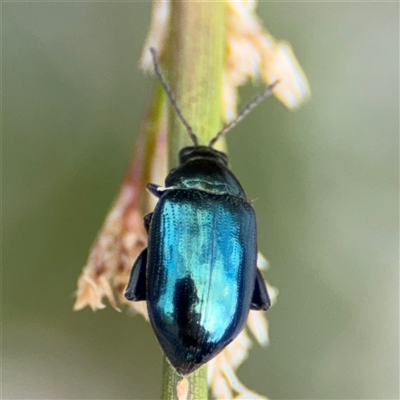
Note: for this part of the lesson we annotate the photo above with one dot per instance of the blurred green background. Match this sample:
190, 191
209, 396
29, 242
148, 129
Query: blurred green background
325, 179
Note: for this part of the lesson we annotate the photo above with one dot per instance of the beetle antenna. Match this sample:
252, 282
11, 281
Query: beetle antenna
171, 97
254, 102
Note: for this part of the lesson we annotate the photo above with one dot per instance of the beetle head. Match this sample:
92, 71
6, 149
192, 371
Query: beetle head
192, 152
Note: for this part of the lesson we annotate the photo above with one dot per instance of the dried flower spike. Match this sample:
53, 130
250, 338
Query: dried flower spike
122, 236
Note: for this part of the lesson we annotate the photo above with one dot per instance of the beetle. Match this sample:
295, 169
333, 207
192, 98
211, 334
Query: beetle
199, 272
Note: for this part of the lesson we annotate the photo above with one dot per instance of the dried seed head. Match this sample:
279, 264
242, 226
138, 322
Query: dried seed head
252, 52
122, 236
119, 242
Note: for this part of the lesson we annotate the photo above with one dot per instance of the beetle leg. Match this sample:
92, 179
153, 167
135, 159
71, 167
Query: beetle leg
147, 220
260, 300
136, 288
153, 189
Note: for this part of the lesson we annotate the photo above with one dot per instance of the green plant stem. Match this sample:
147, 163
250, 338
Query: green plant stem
194, 60
198, 389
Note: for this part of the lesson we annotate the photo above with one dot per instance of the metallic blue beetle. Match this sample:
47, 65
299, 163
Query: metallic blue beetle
198, 273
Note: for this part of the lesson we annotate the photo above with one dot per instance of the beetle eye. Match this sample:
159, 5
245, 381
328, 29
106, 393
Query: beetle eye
224, 157
184, 154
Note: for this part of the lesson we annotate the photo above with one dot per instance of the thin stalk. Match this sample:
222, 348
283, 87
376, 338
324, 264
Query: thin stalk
197, 384
194, 62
